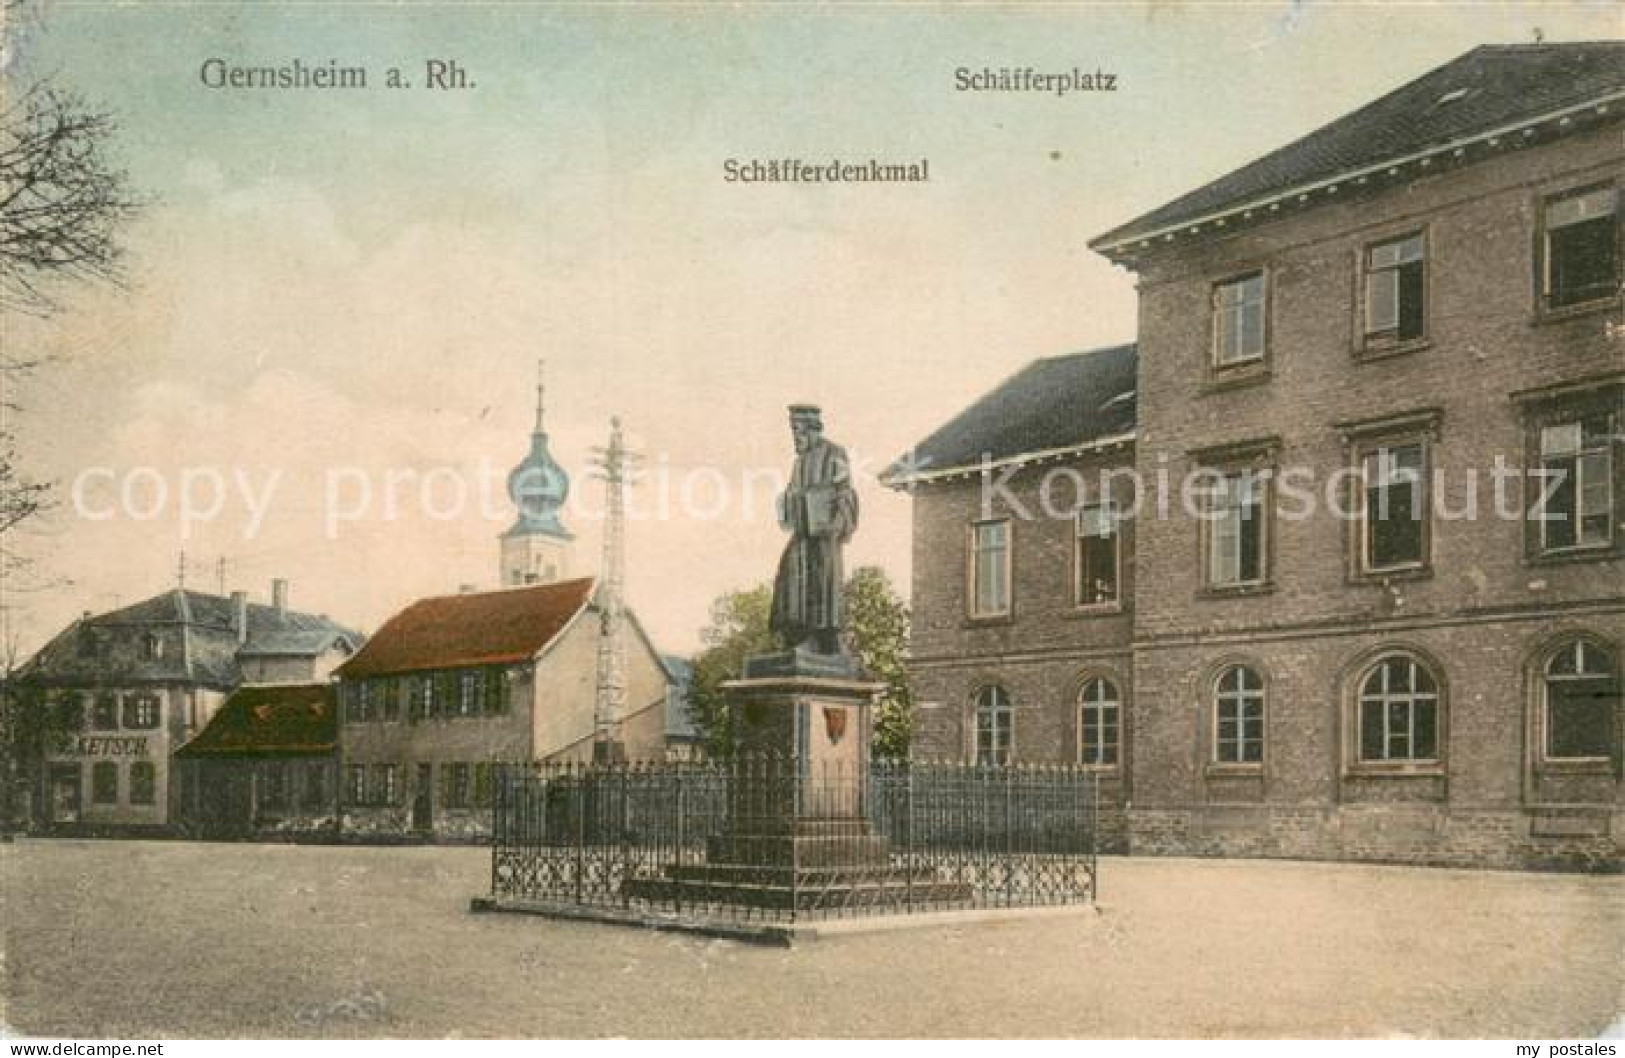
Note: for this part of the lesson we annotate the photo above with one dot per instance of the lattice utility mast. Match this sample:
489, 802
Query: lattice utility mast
609, 709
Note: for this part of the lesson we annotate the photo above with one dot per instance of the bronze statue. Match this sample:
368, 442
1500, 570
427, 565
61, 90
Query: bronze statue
819, 509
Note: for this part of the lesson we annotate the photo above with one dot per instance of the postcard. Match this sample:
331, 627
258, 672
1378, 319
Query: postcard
793, 521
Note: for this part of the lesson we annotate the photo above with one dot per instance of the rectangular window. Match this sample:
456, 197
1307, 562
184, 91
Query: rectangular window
1393, 517
454, 785
1238, 722
355, 784
1238, 320
1097, 555
1236, 530
990, 569
385, 784
141, 712
468, 693
1399, 730
496, 691
1100, 734
104, 783
104, 714
1576, 484
1395, 290
1581, 248
143, 782
389, 693
993, 730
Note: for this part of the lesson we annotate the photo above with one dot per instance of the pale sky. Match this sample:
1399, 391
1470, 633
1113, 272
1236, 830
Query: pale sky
359, 283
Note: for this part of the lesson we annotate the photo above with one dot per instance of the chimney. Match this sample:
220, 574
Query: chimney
239, 615
466, 589
279, 596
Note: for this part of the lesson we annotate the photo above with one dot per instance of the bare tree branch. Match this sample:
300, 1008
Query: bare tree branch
62, 199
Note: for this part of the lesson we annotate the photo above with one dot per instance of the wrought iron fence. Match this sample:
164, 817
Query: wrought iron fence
782, 839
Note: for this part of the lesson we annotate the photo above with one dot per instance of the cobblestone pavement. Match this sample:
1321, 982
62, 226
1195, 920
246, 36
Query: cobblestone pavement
170, 939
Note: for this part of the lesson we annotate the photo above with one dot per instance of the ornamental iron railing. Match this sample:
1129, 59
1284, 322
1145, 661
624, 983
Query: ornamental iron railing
782, 839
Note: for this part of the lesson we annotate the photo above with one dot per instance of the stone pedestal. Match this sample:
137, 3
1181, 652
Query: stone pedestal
798, 797
798, 835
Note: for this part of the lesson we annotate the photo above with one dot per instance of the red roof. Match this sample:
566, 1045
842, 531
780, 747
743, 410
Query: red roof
475, 628
274, 720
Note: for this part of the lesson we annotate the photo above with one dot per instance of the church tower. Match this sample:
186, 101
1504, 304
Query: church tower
536, 549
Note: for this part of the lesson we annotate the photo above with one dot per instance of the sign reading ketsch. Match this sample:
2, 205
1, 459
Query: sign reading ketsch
104, 746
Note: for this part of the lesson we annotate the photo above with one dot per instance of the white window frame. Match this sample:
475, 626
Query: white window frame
1229, 320
1007, 567
1106, 516
1238, 699
1109, 699
993, 701
1239, 490
385, 784
1390, 476
137, 705
1586, 197
1384, 697
1578, 453
1406, 249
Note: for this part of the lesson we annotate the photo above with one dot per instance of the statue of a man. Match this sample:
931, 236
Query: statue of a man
819, 510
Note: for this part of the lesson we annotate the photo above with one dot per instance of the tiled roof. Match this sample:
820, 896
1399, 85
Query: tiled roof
1489, 88
198, 641
474, 628
269, 721
1057, 403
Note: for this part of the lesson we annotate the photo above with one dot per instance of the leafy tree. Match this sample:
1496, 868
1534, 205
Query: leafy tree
738, 630
877, 626
877, 630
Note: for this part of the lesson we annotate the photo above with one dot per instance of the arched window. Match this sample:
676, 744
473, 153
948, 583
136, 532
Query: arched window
1099, 711
1238, 716
1581, 703
1399, 711
995, 724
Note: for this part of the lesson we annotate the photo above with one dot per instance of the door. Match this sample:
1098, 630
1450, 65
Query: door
65, 791
423, 798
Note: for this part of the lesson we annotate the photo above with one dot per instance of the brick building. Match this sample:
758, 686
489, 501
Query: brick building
1378, 316
1016, 619
452, 683
114, 694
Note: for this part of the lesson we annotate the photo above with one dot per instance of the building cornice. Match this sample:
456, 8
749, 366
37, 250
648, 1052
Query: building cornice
1510, 135
1044, 455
